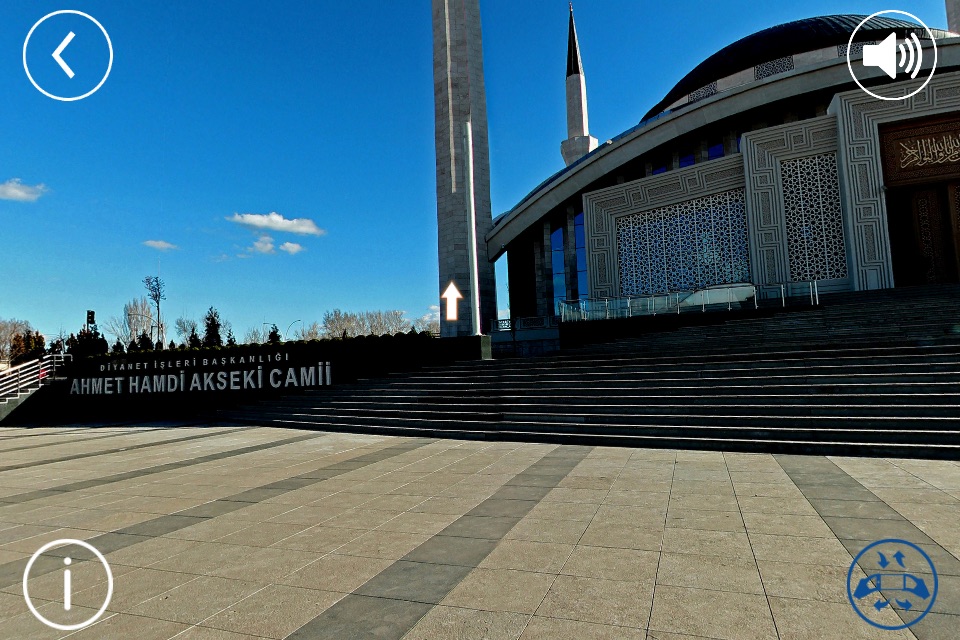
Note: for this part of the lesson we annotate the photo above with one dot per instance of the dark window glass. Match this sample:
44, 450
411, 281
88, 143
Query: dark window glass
581, 246
738, 143
687, 160
559, 268
715, 151
660, 169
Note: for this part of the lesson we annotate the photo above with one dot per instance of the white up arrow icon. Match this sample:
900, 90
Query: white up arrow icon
451, 295
56, 54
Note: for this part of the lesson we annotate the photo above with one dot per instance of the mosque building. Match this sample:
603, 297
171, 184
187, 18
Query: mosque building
766, 170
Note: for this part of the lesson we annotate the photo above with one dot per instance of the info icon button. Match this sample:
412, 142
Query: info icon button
56, 573
67, 55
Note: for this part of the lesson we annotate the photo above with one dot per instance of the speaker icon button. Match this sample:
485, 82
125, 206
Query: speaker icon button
893, 57
884, 55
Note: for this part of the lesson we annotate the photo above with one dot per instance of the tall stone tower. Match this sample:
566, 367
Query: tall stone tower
579, 142
953, 15
463, 166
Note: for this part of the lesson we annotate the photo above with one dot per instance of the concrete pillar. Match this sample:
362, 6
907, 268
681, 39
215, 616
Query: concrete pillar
953, 15
459, 97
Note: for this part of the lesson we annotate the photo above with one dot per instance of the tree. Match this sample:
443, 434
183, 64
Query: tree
185, 326
58, 346
274, 337
231, 340
429, 323
88, 342
211, 329
137, 318
9, 329
156, 292
254, 336
172, 345
26, 346
337, 324
312, 332
194, 341
144, 342
117, 348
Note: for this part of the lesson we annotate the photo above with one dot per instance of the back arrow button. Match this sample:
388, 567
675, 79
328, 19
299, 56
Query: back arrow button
56, 54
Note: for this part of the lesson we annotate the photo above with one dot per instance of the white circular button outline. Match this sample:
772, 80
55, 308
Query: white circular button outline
26, 591
27, 68
903, 13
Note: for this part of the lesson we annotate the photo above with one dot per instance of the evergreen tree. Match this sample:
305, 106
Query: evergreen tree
27, 346
144, 342
172, 345
117, 348
231, 340
133, 347
274, 337
87, 343
194, 341
211, 329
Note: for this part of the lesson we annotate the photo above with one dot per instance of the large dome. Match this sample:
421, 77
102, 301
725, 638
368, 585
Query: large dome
784, 40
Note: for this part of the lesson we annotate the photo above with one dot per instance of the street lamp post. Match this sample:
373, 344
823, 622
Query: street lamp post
286, 333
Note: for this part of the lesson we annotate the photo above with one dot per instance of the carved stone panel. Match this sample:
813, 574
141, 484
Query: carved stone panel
920, 151
657, 195
794, 209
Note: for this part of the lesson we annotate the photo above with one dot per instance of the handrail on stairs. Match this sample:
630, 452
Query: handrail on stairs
30, 376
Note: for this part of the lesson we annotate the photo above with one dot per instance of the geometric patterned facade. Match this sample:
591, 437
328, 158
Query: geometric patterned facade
814, 220
686, 246
785, 210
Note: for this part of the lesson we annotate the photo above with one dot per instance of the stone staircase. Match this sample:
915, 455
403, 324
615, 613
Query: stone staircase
874, 373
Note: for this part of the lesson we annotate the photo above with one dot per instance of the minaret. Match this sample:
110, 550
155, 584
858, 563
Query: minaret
579, 141
463, 167
953, 15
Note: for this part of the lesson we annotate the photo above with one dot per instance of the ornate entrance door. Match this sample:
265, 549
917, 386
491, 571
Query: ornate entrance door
934, 235
921, 169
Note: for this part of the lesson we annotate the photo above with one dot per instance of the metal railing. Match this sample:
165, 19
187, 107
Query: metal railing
534, 322
30, 376
722, 298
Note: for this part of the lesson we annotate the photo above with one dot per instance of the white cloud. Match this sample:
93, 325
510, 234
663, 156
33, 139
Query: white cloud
292, 248
160, 245
264, 244
275, 222
14, 189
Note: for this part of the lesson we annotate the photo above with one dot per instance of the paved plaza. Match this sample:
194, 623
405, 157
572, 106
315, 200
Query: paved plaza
234, 533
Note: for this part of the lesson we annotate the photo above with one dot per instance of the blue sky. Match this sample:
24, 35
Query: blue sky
319, 111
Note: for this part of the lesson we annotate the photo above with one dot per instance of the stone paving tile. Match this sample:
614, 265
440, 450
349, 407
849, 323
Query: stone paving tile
813, 620
718, 573
524, 555
607, 602
123, 626
458, 623
541, 628
335, 572
612, 564
274, 612
712, 614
